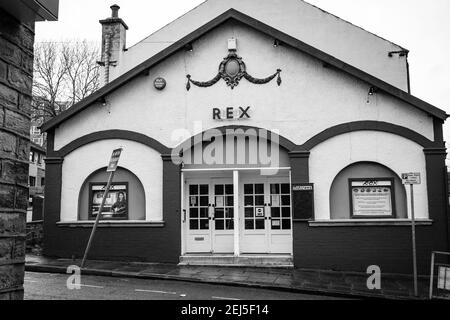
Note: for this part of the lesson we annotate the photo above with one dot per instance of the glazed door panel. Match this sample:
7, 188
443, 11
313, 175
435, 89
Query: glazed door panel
209, 226
265, 217
223, 216
198, 217
280, 216
253, 217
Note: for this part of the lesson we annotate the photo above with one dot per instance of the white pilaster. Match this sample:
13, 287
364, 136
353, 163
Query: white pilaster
236, 212
183, 216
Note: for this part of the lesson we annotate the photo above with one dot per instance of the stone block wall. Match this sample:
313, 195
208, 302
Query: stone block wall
16, 71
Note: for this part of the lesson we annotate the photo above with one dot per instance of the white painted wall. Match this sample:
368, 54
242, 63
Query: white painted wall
397, 153
311, 98
143, 161
296, 18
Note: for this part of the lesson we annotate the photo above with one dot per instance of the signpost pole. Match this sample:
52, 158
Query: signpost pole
97, 219
413, 227
431, 275
112, 167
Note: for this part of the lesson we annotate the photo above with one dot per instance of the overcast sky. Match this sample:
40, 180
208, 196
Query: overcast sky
423, 27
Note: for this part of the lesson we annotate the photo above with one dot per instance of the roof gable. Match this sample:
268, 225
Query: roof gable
296, 18
328, 60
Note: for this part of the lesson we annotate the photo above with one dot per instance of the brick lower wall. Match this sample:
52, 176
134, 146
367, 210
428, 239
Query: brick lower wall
16, 69
357, 248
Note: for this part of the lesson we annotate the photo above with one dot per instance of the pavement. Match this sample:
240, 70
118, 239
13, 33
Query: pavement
317, 282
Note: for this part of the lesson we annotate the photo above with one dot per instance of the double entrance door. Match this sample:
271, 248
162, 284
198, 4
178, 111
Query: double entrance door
262, 224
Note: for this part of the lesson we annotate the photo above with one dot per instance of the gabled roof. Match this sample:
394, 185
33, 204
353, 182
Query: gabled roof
327, 59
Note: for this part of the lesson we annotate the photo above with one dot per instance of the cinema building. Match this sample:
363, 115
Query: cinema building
253, 133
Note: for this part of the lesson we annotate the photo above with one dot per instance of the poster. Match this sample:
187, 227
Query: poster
220, 201
116, 204
275, 200
372, 199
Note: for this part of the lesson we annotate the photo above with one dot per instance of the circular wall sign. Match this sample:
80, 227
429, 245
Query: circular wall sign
159, 83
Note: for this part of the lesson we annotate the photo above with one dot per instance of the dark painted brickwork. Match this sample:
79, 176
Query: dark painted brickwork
16, 67
356, 248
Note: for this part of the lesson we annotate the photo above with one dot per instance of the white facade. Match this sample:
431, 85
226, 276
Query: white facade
327, 118
311, 98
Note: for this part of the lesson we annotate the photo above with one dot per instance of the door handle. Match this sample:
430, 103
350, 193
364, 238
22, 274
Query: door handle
212, 212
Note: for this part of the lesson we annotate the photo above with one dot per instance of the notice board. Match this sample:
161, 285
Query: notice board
303, 201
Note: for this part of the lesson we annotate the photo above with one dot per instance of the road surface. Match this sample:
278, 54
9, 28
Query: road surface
46, 286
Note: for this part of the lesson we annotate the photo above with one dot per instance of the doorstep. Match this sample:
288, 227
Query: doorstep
224, 260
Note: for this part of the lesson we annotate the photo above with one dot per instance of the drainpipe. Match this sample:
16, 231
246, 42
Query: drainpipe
113, 43
408, 75
106, 60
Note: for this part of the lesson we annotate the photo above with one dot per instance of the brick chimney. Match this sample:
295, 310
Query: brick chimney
113, 43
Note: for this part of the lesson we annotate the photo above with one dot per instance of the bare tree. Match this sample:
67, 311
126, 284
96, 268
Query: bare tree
64, 73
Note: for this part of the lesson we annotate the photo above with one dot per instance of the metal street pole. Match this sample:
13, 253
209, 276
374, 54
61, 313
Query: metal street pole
97, 219
413, 227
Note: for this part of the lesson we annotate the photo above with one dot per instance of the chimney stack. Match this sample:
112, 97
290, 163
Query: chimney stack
113, 44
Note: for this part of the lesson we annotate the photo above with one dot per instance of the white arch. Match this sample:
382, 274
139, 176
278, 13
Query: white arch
144, 162
396, 153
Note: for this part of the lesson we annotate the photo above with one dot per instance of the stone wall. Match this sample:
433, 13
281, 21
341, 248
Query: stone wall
16, 70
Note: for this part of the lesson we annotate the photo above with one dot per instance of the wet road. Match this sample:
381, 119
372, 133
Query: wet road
46, 286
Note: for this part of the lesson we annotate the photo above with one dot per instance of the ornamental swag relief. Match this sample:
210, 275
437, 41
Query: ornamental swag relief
232, 69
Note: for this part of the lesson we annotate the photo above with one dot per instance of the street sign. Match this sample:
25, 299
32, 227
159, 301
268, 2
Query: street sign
112, 167
411, 178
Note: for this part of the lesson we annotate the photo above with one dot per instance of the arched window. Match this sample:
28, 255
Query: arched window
125, 201
367, 190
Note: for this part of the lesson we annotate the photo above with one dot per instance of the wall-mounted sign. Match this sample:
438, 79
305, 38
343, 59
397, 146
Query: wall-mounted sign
231, 113
372, 198
116, 203
259, 212
303, 201
298, 187
159, 83
411, 178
